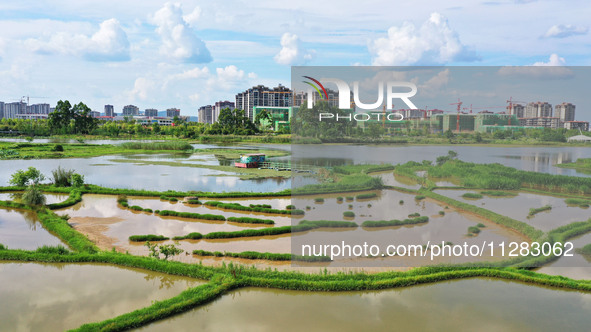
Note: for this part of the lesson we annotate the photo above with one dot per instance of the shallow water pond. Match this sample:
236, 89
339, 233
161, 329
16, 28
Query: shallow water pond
464, 305
21, 229
58, 297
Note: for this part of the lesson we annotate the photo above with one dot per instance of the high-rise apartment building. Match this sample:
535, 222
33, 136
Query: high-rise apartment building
205, 114
109, 110
261, 95
151, 112
130, 110
172, 112
565, 112
538, 110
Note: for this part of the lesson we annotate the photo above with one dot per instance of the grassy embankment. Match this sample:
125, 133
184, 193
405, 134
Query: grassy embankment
229, 277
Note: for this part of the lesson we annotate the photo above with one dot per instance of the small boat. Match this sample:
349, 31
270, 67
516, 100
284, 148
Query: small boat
251, 160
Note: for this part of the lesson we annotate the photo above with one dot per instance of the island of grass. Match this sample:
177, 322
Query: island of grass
584, 203
498, 193
472, 196
534, 211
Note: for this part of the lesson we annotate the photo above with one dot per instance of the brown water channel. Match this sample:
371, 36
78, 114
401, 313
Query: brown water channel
464, 305
58, 297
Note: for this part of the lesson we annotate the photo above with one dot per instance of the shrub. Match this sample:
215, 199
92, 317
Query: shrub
394, 222
191, 215
481, 225
441, 213
20, 178
420, 197
290, 207
62, 177
586, 250
340, 199
472, 196
33, 196
414, 215
2, 247
248, 220
319, 200
148, 237
58, 148
190, 236
264, 206
77, 180
55, 250
136, 208
401, 202
534, 211
366, 196
473, 230
349, 214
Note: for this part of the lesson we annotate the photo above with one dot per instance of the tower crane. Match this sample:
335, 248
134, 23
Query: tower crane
459, 103
511, 101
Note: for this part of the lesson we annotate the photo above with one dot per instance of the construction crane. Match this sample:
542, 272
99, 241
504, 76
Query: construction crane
28, 97
511, 101
459, 103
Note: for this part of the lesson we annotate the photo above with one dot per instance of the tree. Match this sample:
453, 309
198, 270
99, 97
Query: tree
33, 195
168, 250
67, 119
22, 178
263, 116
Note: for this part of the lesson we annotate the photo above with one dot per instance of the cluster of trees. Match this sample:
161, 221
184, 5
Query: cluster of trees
68, 119
32, 177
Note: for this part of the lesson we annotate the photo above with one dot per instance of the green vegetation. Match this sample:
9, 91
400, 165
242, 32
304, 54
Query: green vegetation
349, 214
33, 196
172, 145
346, 183
586, 250
191, 215
473, 230
366, 196
498, 193
248, 220
54, 250
401, 202
362, 169
190, 236
249, 233
420, 197
290, 207
394, 222
194, 201
582, 165
265, 206
31, 176
239, 207
441, 213
68, 119
265, 255
350, 198
534, 211
414, 215
168, 250
62, 177
480, 225
339, 199
148, 237
472, 195
584, 203
319, 200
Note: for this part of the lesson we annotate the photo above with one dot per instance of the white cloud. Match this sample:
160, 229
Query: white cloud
554, 60
141, 88
563, 31
191, 73
291, 52
553, 69
193, 17
179, 41
109, 43
433, 43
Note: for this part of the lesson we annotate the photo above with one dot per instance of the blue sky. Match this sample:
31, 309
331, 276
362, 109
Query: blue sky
157, 54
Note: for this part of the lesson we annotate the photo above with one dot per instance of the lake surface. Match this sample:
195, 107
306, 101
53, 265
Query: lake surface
58, 297
464, 305
21, 229
538, 159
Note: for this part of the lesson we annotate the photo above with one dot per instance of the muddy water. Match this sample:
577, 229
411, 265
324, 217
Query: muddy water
577, 267
58, 297
466, 305
518, 208
49, 198
20, 229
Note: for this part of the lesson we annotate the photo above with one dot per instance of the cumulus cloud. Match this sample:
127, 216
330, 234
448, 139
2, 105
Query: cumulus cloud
292, 52
141, 88
228, 77
193, 17
554, 60
434, 42
109, 43
563, 31
179, 41
554, 68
